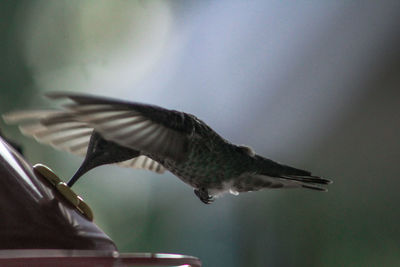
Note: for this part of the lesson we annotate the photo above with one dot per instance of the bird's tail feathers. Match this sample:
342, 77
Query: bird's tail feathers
309, 182
307, 179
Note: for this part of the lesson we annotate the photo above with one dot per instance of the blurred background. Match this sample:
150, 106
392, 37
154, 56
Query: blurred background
313, 84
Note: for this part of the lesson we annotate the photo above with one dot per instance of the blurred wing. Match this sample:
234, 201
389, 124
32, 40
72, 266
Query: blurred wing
62, 131
143, 162
150, 129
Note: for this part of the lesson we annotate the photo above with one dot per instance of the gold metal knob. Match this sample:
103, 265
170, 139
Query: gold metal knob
64, 190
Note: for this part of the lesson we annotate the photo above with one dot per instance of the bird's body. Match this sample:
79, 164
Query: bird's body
211, 163
150, 137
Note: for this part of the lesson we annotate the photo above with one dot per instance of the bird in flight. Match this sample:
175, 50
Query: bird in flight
137, 135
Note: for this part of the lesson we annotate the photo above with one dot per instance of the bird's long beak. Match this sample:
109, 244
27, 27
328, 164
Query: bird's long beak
81, 171
86, 166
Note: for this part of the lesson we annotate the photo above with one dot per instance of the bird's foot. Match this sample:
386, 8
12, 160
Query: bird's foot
203, 195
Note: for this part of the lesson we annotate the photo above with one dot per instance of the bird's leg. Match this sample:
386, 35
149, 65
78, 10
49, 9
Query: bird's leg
203, 195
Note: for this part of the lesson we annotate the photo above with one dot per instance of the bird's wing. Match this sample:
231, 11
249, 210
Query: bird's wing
147, 128
143, 162
63, 132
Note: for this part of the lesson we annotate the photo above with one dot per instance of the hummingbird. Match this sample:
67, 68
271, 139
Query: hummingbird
143, 136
